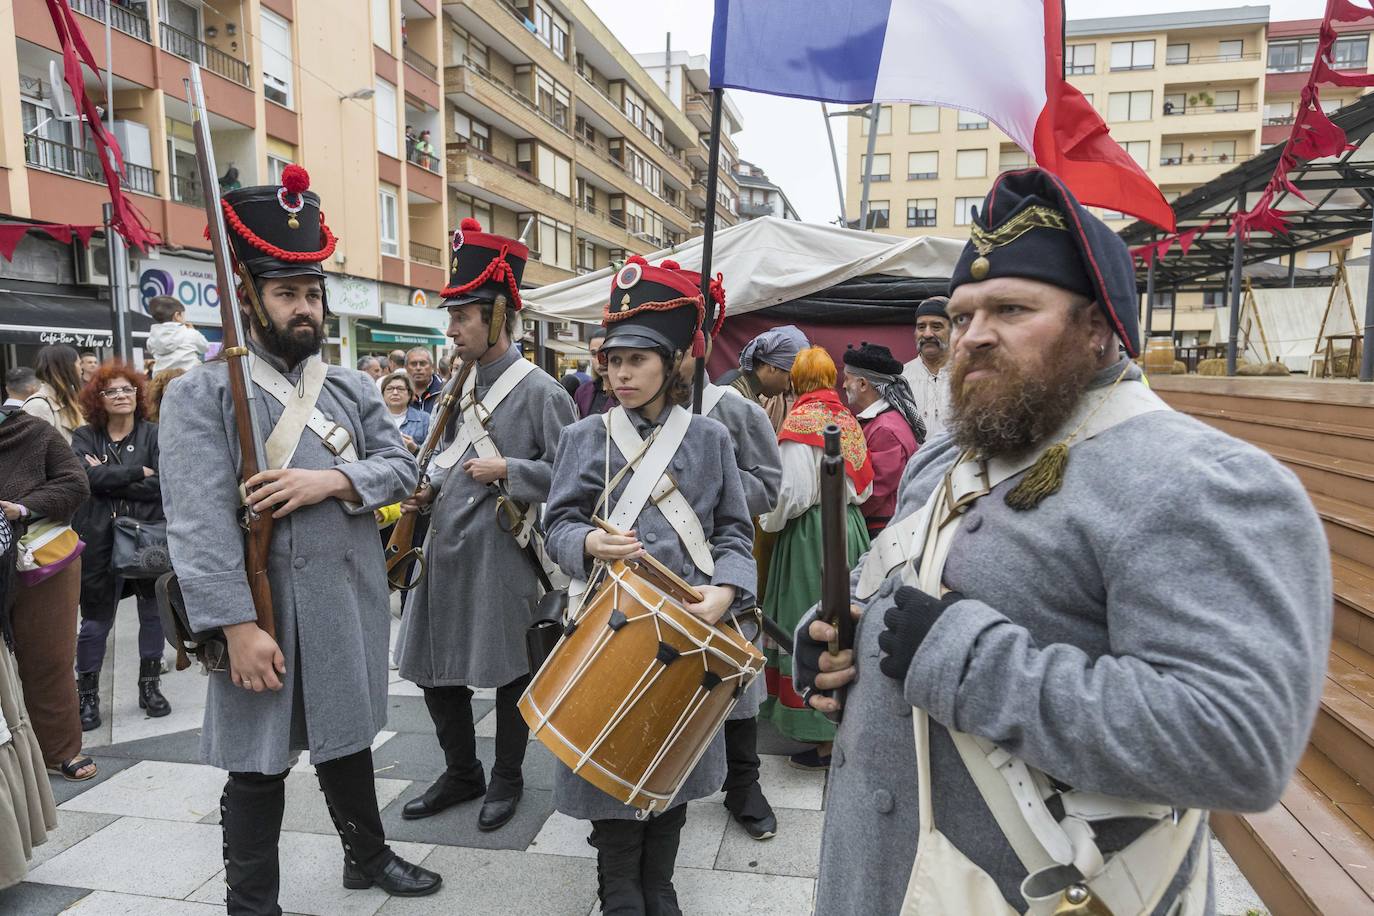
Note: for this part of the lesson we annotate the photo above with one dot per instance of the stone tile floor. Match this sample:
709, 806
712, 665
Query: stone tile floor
143, 837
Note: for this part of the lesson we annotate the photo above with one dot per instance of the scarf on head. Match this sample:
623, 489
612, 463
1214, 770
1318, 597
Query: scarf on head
809, 417
896, 390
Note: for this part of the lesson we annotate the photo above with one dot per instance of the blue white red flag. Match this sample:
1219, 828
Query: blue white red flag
1003, 59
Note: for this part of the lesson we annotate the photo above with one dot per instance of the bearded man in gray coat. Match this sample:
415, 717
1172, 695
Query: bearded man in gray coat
466, 625
321, 684
1076, 691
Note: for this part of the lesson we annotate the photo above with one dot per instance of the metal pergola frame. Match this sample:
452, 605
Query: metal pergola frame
1341, 189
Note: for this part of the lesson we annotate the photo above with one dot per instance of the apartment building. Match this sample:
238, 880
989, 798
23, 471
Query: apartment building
758, 196
555, 125
332, 87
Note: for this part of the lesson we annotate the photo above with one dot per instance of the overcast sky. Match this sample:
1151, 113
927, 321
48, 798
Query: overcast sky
786, 137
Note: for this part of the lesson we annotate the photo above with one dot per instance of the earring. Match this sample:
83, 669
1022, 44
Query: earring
1101, 350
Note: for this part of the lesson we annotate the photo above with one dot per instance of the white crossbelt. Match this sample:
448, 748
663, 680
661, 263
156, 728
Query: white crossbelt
476, 414
300, 412
651, 482
711, 395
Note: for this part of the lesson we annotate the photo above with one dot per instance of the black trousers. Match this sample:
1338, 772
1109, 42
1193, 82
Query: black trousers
743, 794
451, 710
635, 862
250, 816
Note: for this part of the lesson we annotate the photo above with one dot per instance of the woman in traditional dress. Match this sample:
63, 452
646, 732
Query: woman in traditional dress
794, 573
653, 317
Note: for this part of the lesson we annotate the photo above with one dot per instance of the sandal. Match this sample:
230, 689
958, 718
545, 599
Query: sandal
71, 768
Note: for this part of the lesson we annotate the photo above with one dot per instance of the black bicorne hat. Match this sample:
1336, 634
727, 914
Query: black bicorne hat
1032, 226
482, 266
278, 231
872, 357
658, 307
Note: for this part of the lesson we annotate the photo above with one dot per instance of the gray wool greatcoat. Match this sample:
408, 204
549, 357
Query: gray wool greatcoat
1157, 630
760, 473
705, 472
466, 621
328, 576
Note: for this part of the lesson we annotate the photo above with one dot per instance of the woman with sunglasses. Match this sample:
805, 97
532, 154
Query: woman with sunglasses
118, 447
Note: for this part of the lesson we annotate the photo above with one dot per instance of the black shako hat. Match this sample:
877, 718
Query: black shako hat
1032, 226
872, 357
658, 307
278, 231
483, 265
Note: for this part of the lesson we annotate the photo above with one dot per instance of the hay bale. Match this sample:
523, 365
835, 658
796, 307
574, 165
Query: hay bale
1180, 367
1212, 367
1262, 369
1340, 365
1276, 368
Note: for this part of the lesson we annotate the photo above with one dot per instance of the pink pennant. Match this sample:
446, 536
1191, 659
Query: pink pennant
10, 236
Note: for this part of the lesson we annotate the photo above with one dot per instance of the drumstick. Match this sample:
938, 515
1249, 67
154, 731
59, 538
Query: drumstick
691, 592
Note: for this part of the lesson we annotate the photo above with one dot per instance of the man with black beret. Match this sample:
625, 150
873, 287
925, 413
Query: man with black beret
881, 400
928, 373
1041, 705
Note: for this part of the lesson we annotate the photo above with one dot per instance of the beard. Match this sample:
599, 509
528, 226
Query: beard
1007, 414
300, 339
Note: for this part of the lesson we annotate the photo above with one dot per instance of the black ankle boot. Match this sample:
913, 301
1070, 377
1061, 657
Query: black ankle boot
88, 693
150, 698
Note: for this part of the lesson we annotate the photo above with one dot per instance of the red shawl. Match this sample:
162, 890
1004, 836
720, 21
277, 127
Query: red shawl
810, 415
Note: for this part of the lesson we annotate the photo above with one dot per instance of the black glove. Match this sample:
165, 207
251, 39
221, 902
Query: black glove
806, 661
906, 624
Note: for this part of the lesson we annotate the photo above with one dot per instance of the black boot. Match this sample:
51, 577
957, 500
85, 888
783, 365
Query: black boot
150, 698
250, 815
662, 834
619, 846
88, 693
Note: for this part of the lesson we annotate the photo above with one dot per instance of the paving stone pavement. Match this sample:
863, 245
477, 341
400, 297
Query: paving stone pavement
143, 838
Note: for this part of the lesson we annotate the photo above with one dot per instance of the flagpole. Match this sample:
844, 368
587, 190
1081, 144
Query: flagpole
708, 234
835, 158
868, 163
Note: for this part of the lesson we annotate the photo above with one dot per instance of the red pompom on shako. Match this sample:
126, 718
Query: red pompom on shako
483, 265
655, 307
295, 179
278, 230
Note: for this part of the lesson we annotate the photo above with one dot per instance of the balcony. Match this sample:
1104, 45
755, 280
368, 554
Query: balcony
1214, 59
494, 94
198, 52
1178, 170
51, 156
471, 169
671, 163
752, 211
1238, 118
187, 189
699, 111
426, 254
419, 62
129, 21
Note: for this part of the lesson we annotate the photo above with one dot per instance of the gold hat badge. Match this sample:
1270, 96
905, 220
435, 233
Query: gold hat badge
986, 240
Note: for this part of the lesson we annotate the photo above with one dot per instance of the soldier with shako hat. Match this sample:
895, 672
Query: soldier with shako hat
465, 627
653, 322
1041, 703
333, 458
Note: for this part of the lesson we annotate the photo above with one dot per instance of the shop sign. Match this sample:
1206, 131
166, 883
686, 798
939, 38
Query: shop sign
190, 282
353, 296
419, 299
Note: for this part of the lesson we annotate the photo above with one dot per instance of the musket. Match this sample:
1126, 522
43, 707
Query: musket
401, 549
252, 451
834, 549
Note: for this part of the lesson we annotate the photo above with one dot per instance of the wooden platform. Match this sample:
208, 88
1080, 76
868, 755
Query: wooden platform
1313, 853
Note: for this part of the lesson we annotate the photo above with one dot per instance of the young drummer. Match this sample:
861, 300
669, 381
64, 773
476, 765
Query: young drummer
653, 319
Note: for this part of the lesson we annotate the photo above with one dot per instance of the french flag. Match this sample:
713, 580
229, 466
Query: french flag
1003, 59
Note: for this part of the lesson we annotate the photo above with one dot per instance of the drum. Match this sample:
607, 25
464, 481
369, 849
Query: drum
637, 687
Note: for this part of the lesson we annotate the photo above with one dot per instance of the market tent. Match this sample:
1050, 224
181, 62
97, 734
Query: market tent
1292, 325
767, 262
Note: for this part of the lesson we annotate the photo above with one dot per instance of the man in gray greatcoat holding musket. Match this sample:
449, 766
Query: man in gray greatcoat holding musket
1043, 700
333, 456
480, 587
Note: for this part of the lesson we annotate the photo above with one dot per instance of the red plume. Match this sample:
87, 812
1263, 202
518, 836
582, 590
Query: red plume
468, 224
295, 179
670, 265
637, 259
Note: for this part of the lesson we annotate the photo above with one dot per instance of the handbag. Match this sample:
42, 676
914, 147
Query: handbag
45, 549
140, 548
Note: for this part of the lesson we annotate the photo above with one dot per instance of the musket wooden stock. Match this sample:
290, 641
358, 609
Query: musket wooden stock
834, 547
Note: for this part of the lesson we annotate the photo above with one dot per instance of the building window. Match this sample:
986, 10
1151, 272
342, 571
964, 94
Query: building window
461, 205
586, 256
878, 214
1231, 49
971, 163
1224, 150
584, 130
551, 241
920, 213
1214, 299
1130, 106
1133, 55
1170, 153
882, 167
1227, 100
384, 103
465, 49
922, 166
1175, 103
552, 97
471, 131
1009, 160
276, 58
381, 24
554, 171
1112, 215
1140, 152
884, 121
1288, 56
1350, 53
1315, 259
963, 209
275, 166
924, 119
1079, 60
1176, 54
1278, 113
552, 29
971, 120
388, 230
